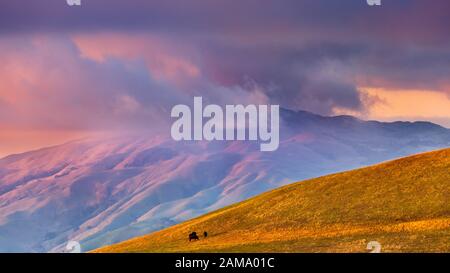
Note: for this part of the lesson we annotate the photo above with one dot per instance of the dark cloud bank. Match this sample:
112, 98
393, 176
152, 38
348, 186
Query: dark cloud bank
310, 54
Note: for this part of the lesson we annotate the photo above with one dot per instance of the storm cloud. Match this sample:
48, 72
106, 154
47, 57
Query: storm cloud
113, 62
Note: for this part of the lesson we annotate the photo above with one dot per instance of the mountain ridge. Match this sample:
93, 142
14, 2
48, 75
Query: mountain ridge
283, 112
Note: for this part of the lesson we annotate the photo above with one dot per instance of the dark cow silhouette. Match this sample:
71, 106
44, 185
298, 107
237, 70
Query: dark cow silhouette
193, 236
205, 234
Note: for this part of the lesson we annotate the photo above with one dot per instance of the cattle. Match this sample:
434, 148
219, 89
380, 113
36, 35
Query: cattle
193, 236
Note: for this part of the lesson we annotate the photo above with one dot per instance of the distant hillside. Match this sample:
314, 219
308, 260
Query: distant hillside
101, 191
403, 204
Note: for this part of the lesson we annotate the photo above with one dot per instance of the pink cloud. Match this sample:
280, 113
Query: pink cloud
164, 61
102, 82
45, 84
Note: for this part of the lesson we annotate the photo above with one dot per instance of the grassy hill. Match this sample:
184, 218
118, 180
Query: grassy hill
403, 204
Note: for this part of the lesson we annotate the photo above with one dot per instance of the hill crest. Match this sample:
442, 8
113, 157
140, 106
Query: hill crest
403, 204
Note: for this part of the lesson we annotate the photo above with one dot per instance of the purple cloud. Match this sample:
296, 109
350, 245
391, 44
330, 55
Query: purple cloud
306, 54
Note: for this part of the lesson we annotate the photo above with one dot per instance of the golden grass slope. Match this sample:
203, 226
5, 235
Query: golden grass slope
403, 204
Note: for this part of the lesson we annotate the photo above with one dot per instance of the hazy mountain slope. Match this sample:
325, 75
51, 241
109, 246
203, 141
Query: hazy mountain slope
402, 204
101, 191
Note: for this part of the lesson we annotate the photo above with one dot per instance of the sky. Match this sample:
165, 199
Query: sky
115, 65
